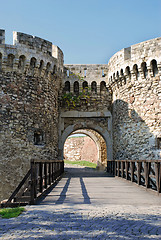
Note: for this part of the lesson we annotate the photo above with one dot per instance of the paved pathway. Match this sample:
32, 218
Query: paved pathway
89, 205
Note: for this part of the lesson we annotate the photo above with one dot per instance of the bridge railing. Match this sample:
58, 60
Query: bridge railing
43, 175
146, 173
40, 177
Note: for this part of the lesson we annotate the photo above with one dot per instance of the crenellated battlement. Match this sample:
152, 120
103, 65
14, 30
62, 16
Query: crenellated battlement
95, 76
30, 54
32, 42
2, 36
139, 61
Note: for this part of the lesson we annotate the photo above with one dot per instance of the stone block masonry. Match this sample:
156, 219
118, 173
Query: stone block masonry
136, 84
80, 148
121, 102
30, 79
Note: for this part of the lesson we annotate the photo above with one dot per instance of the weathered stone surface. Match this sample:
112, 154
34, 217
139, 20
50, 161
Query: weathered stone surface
121, 102
80, 149
136, 102
29, 112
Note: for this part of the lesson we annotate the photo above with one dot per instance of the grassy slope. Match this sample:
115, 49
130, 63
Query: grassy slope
81, 163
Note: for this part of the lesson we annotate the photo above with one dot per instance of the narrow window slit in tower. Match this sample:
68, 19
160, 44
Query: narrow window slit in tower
67, 73
103, 75
85, 73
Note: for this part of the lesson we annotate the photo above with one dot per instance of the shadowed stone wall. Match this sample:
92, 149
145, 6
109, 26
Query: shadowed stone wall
135, 79
30, 79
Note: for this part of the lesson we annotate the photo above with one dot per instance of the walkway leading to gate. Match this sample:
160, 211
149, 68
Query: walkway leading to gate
87, 204
81, 185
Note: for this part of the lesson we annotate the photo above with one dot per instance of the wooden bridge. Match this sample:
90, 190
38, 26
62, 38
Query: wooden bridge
44, 175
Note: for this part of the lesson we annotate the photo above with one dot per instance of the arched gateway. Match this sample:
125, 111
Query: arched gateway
100, 122
100, 157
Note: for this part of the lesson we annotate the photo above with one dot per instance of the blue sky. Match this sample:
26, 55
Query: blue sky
88, 31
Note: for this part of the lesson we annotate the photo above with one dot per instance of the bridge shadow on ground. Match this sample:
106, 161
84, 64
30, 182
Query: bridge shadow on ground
79, 173
80, 186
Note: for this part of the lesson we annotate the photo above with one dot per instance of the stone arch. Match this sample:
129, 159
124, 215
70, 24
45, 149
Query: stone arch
67, 86
94, 87
135, 70
32, 63
102, 86
96, 139
117, 75
121, 72
54, 69
10, 60
41, 65
85, 85
48, 68
127, 71
154, 67
84, 126
144, 69
76, 87
21, 63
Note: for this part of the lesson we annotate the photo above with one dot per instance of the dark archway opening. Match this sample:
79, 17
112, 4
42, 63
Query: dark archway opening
86, 145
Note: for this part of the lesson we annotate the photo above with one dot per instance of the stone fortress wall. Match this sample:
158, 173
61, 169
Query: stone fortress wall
81, 148
135, 79
132, 76
94, 76
30, 78
35, 124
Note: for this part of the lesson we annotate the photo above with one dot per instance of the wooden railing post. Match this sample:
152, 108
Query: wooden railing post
159, 177
49, 174
45, 175
52, 170
40, 178
126, 169
62, 168
146, 174
138, 173
108, 166
132, 171
157, 168
116, 168
33, 192
113, 167
122, 169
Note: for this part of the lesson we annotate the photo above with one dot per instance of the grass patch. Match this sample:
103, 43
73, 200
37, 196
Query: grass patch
11, 212
81, 163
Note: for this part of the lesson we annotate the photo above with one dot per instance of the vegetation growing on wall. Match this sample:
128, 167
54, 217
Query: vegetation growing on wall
72, 99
